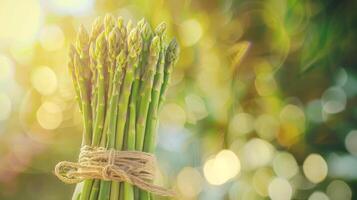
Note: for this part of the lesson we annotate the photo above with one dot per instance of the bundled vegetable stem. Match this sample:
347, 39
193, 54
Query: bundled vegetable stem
120, 76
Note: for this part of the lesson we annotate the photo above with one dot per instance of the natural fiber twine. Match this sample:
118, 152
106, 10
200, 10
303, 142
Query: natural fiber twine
134, 167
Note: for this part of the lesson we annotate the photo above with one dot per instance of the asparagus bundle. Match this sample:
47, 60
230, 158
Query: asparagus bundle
120, 76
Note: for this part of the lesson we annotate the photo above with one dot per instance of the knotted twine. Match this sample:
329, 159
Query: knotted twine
134, 167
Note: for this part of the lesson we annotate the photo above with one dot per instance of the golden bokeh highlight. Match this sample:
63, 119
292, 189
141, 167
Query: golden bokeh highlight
191, 32
266, 126
265, 84
261, 180
241, 123
292, 119
285, 165
189, 182
22, 53
196, 108
315, 168
173, 114
51, 38
224, 166
44, 80
256, 153
49, 115
280, 189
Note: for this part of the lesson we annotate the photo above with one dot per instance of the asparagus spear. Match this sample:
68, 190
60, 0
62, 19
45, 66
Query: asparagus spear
155, 92
171, 59
71, 70
158, 81
147, 35
130, 134
134, 49
112, 118
82, 71
120, 38
100, 54
145, 91
101, 45
83, 78
97, 28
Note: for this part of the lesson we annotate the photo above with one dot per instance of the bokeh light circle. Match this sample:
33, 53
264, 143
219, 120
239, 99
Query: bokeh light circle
334, 100
189, 182
44, 80
261, 179
318, 195
257, 153
280, 189
191, 32
51, 38
285, 165
241, 123
224, 166
339, 190
266, 127
351, 142
49, 115
315, 168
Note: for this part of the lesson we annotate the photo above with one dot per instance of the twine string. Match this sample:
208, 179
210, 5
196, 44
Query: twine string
134, 167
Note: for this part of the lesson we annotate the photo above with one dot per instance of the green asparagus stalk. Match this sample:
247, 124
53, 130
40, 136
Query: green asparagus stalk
97, 28
82, 70
134, 49
147, 35
100, 55
145, 91
112, 117
155, 93
156, 90
83, 77
130, 144
101, 45
120, 45
171, 59
72, 71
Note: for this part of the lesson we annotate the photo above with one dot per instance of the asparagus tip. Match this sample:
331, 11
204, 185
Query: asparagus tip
155, 46
121, 58
160, 29
96, 28
146, 31
109, 23
100, 48
82, 38
113, 42
173, 51
134, 42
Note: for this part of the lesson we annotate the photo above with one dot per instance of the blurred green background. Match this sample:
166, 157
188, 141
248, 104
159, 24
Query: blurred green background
262, 103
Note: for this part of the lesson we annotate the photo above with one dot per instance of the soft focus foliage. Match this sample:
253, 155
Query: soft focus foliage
262, 102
